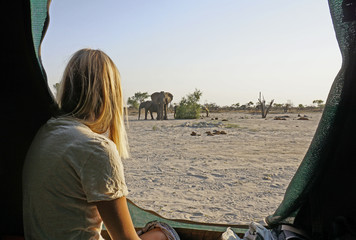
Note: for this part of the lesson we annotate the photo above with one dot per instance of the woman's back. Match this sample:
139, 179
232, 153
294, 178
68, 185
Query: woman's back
68, 168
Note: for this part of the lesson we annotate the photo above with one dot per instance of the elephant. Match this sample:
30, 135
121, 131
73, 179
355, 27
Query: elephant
148, 106
162, 99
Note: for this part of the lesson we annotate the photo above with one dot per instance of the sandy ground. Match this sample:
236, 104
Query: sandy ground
232, 178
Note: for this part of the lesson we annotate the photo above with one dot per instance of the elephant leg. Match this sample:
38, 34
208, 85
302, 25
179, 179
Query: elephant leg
146, 110
159, 113
139, 113
151, 114
165, 111
158, 117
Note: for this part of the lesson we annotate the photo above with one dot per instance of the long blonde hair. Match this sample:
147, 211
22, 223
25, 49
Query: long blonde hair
90, 91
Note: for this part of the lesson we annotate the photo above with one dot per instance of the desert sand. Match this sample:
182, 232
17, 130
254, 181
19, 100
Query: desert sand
232, 178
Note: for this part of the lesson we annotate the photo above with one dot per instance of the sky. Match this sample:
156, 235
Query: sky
229, 49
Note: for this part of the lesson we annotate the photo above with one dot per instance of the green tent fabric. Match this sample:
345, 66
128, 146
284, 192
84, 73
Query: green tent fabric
25, 99
322, 195
39, 23
320, 198
140, 217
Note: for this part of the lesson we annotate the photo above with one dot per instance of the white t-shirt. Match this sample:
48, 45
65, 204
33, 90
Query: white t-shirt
67, 169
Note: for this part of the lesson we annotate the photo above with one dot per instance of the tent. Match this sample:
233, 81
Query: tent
320, 199
322, 194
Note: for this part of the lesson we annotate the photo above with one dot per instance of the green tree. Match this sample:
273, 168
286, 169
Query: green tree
250, 104
211, 106
140, 97
277, 105
319, 103
132, 102
189, 107
235, 105
137, 98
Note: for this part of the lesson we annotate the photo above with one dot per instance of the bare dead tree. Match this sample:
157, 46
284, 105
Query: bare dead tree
264, 109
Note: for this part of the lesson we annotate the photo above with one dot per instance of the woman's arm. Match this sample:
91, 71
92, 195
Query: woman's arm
117, 220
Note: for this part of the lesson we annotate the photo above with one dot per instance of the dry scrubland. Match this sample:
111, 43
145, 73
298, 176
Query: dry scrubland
232, 178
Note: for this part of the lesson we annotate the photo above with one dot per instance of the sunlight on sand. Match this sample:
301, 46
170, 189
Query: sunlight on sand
233, 178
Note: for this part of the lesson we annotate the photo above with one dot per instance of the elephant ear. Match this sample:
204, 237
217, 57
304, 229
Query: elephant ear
170, 95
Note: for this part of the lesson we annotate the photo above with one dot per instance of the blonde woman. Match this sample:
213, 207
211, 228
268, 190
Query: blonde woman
73, 178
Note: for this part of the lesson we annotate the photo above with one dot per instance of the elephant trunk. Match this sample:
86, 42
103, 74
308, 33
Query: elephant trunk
161, 112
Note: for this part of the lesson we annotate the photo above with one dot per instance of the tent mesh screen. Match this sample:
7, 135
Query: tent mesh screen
323, 190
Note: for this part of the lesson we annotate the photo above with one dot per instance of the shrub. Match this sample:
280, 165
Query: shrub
188, 107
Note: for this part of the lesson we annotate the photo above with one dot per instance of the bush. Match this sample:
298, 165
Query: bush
188, 107
188, 111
